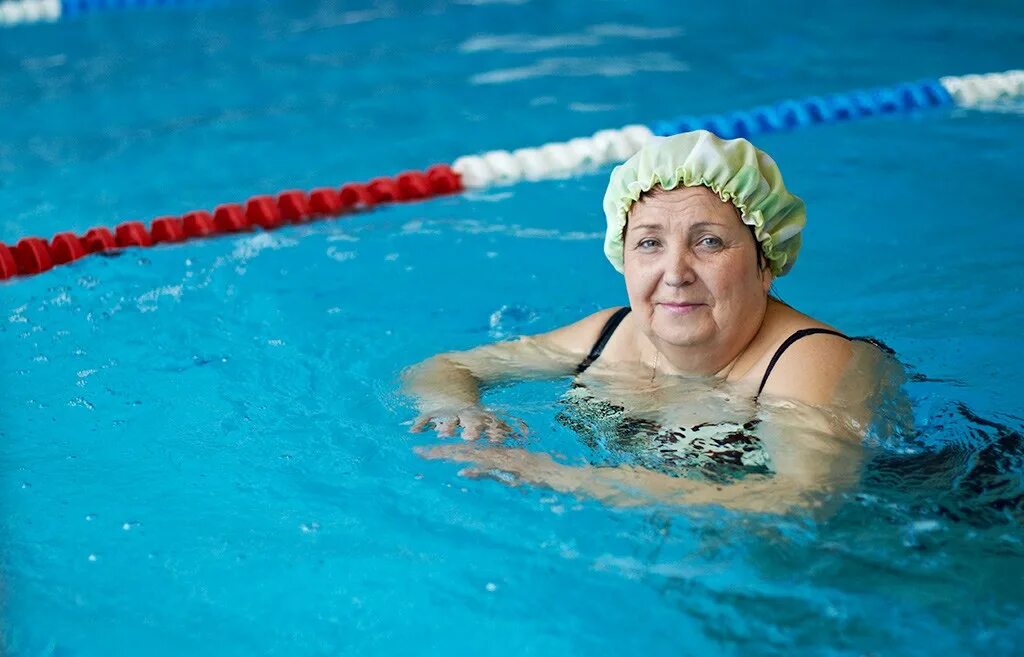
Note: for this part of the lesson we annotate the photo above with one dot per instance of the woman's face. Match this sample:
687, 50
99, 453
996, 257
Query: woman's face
692, 271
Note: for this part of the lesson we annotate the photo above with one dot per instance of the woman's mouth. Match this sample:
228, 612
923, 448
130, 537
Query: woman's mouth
680, 308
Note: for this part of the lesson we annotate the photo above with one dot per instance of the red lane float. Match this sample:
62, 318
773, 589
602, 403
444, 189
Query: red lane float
443, 180
230, 218
65, 248
355, 195
98, 239
132, 233
198, 224
413, 185
33, 255
166, 229
383, 190
294, 206
325, 202
262, 211
8, 266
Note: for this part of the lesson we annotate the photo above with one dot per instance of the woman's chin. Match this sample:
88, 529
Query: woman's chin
682, 336
683, 341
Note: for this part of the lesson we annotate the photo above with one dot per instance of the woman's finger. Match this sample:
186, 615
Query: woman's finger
497, 430
472, 472
446, 426
471, 428
479, 472
420, 423
461, 453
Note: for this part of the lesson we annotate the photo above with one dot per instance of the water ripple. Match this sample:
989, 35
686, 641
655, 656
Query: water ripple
608, 67
476, 227
594, 35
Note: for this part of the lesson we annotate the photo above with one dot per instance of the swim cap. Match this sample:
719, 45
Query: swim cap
732, 168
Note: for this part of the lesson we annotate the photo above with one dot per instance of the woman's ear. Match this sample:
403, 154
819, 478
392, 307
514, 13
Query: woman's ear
767, 277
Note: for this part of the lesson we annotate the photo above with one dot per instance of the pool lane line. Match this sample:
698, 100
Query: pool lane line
16, 12
33, 255
561, 159
982, 90
19, 12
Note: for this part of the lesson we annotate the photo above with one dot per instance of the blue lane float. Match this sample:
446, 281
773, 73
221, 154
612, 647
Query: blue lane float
20, 12
33, 255
71, 8
17, 12
796, 113
561, 159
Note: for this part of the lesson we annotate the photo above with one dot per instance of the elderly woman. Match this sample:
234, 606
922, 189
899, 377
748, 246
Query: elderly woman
705, 373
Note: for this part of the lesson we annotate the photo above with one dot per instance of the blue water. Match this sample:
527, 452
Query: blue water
203, 449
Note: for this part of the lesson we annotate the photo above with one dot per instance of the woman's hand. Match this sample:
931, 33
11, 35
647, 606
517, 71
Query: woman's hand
622, 485
475, 421
513, 466
447, 387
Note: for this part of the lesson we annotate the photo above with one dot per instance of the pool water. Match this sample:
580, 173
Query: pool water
204, 447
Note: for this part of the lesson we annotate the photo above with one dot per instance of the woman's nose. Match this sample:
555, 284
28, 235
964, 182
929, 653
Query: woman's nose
679, 271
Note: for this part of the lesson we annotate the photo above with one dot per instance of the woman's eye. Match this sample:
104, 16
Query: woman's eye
648, 243
711, 242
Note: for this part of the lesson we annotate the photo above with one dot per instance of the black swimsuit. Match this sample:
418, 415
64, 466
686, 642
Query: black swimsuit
719, 450
614, 321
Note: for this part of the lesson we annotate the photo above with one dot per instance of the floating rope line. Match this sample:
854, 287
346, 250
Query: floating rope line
78, 7
32, 255
14, 12
976, 90
564, 158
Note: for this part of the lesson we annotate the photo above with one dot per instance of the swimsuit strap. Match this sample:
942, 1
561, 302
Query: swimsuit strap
803, 333
602, 340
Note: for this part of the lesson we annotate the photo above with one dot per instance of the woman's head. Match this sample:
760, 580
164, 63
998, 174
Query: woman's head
693, 271
700, 226
733, 169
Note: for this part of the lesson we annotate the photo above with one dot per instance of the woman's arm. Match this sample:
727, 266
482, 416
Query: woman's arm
447, 387
827, 371
630, 485
808, 466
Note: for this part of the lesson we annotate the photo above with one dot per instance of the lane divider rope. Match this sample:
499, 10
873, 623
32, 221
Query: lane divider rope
975, 90
33, 255
78, 7
15, 12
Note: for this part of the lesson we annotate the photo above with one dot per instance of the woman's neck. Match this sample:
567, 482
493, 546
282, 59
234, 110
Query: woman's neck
713, 359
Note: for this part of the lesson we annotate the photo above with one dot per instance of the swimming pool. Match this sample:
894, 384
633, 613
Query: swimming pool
203, 444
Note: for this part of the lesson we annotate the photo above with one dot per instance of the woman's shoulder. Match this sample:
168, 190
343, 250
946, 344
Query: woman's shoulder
783, 322
554, 353
581, 335
803, 358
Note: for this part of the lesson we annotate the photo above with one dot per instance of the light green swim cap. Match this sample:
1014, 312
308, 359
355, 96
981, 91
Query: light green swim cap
732, 168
